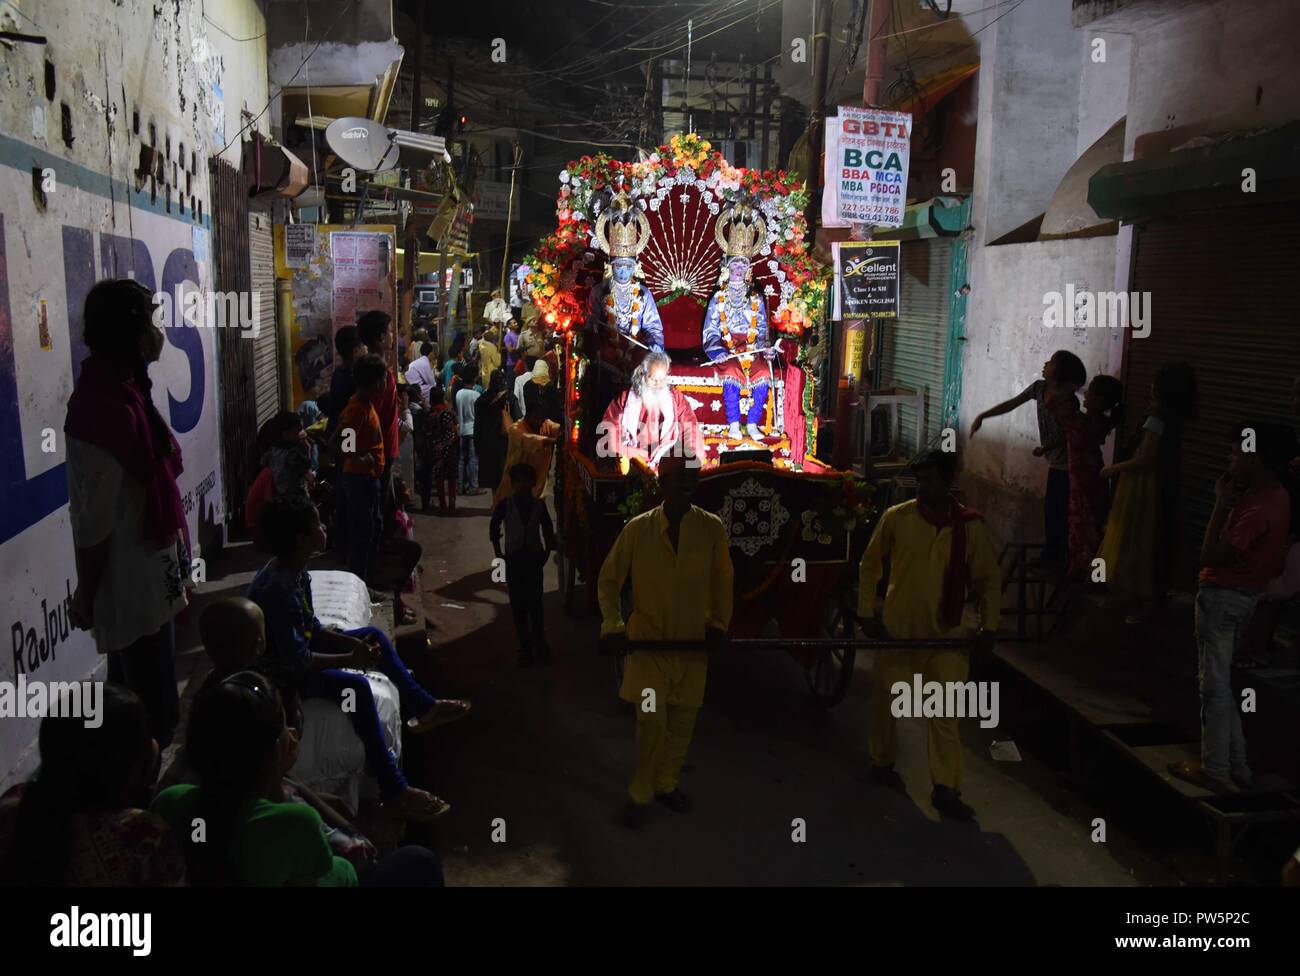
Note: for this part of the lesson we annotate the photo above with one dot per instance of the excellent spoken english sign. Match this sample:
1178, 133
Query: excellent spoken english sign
866, 279
867, 154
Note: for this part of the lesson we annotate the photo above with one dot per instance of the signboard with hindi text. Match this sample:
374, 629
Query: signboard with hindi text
866, 279
865, 177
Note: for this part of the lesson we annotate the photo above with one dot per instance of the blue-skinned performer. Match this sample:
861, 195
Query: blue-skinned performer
735, 323
622, 317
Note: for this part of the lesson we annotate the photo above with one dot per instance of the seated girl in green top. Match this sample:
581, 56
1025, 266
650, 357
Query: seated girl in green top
236, 826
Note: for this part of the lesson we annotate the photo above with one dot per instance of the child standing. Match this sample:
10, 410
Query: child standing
1085, 433
1063, 374
466, 397
437, 460
360, 443
530, 537
1136, 543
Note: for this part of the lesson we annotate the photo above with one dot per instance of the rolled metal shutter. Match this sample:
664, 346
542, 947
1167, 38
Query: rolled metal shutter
266, 362
915, 346
1221, 288
238, 414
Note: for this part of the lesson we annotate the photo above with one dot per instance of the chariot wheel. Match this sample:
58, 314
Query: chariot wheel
831, 672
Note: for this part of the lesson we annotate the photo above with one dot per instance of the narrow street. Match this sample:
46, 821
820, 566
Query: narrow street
549, 751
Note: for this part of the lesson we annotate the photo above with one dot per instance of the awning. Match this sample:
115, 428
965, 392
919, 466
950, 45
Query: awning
936, 217
1205, 175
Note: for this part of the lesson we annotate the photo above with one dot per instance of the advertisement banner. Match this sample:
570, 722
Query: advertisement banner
49, 259
866, 279
865, 174
349, 271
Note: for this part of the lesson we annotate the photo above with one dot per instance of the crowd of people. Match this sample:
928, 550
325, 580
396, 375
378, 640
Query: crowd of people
342, 471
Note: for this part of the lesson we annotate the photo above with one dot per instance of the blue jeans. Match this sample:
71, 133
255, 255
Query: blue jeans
415, 701
1221, 619
468, 464
365, 520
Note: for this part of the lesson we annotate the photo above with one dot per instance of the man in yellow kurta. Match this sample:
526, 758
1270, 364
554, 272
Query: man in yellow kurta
925, 598
489, 356
679, 560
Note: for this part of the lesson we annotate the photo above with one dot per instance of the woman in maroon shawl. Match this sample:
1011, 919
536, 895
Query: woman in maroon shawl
128, 526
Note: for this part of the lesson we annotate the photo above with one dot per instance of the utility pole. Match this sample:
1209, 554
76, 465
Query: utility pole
411, 262
444, 333
821, 45
510, 212
873, 79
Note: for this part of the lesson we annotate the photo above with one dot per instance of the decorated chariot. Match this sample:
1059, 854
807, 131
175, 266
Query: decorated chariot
689, 308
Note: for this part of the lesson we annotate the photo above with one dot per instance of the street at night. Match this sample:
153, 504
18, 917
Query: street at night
653, 447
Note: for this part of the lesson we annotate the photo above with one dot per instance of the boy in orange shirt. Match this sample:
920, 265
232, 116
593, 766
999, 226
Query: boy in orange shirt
360, 442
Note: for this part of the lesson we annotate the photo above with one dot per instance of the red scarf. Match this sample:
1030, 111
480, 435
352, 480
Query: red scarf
114, 414
956, 578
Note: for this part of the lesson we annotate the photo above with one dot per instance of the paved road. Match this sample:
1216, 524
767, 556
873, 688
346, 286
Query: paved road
547, 752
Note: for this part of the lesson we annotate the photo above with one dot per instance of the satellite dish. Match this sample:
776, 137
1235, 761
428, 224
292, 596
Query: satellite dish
362, 143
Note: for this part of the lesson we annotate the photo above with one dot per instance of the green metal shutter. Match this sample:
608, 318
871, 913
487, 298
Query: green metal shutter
915, 346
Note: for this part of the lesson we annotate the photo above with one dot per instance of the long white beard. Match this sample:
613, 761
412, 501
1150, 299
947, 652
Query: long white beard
662, 400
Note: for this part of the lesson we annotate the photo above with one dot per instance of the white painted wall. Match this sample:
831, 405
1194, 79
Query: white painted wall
128, 57
1207, 68
236, 37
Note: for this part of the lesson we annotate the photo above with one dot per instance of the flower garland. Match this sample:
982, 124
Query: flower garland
611, 313
586, 181
751, 334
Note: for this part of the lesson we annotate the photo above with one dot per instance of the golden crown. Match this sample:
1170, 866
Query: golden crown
740, 232
622, 231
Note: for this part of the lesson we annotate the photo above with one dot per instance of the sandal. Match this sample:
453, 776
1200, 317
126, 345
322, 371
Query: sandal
447, 710
415, 804
405, 615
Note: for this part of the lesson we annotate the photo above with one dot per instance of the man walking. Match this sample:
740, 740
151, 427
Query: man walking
678, 559
939, 551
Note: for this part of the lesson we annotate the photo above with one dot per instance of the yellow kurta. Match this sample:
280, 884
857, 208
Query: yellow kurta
489, 361
525, 447
918, 558
675, 596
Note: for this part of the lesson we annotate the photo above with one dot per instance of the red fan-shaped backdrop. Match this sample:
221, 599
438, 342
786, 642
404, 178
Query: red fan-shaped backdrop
681, 258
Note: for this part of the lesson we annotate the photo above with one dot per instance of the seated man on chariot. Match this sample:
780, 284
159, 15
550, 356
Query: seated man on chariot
735, 324
650, 419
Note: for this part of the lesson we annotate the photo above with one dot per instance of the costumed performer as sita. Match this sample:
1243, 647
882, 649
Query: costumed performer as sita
735, 323
650, 419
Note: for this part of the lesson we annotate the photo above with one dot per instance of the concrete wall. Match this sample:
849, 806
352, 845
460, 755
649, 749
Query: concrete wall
1004, 352
92, 219
1227, 67
1030, 70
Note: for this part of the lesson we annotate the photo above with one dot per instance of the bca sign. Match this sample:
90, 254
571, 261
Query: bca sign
867, 152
